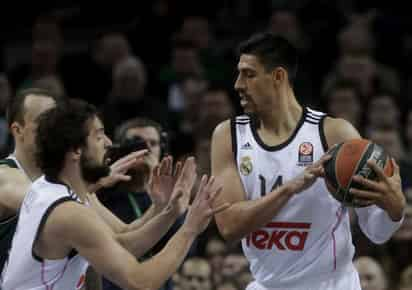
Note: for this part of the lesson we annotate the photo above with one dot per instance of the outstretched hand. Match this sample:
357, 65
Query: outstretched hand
119, 169
163, 180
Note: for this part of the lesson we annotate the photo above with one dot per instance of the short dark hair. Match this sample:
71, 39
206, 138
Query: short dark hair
15, 107
61, 129
120, 132
273, 51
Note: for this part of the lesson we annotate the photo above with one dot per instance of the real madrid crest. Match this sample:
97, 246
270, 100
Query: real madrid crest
246, 165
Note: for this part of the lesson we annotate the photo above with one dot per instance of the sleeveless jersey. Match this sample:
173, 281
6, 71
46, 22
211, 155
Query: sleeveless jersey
7, 225
25, 270
310, 236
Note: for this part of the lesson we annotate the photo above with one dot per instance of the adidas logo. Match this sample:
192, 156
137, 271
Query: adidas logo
246, 146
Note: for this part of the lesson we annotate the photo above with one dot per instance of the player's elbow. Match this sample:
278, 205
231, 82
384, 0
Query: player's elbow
228, 230
143, 285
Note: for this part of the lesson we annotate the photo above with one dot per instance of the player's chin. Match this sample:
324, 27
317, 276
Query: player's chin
248, 110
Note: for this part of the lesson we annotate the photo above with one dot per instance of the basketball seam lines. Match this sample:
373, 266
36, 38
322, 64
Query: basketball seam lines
357, 167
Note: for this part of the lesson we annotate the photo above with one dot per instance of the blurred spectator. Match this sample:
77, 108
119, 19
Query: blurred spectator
408, 133
5, 95
382, 111
391, 141
184, 104
406, 279
228, 284
234, 265
184, 61
196, 274
284, 21
342, 100
93, 81
369, 75
216, 107
128, 97
215, 252
197, 30
371, 274
46, 53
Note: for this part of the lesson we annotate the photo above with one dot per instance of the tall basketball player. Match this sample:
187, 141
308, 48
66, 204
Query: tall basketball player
293, 232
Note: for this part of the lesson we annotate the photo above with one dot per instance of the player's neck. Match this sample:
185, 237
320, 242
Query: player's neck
75, 181
27, 163
283, 117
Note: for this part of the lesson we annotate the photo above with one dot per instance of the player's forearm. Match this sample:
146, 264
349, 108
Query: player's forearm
142, 239
138, 223
376, 224
246, 216
162, 266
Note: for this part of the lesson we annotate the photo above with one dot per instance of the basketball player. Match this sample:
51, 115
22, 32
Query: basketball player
19, 169
58, 233
294, 233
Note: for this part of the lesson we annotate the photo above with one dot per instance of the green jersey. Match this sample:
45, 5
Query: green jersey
7, 225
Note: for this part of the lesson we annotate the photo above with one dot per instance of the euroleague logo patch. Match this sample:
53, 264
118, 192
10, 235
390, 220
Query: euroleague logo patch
305, 156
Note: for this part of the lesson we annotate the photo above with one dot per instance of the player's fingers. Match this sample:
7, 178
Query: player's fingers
379, 172
132, 156
124, 166
122, 177
369, 184
220, 208
215, 194
396, 170
365, 194
323, 159
170, 165
177, 196
210, 183
202, 186
178, 169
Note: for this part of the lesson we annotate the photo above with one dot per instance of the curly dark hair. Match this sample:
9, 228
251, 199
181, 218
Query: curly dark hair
61, 129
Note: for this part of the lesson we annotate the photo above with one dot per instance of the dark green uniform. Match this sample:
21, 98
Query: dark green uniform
7, 225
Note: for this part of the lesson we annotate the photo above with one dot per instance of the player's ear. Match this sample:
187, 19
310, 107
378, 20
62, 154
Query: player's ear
16, 129
76, 154
279, 75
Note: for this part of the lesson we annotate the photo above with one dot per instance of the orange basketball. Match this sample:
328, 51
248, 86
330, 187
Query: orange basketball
350, 158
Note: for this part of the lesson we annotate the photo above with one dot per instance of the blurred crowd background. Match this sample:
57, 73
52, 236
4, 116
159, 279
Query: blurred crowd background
174, 62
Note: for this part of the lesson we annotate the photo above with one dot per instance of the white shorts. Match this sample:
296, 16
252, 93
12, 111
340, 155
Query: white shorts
348, 281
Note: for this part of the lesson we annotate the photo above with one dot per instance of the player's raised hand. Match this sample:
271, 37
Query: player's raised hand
163, 180
183, 186
119, 169
201, 210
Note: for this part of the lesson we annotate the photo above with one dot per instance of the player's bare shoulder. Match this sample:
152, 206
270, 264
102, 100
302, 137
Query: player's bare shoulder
338, 130
221, 139
13, 186
222, 130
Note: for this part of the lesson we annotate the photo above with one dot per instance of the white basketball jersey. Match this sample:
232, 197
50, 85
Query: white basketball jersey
25, 270
310, 236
